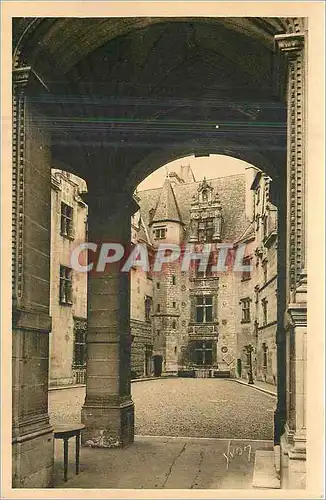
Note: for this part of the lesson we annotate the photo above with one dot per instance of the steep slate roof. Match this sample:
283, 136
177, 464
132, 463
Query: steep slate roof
167, 206
232, 194
143, 233
248, 234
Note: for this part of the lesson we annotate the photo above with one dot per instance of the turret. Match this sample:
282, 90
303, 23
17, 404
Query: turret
166, 223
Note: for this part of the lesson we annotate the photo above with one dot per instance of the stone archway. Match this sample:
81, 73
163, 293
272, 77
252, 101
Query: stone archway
53, 61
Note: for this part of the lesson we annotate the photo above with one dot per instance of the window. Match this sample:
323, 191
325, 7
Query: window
264, 266
264, 303
65, 296
208, 271
204, 309
258, 196
257, 221
204, 195
80, 343
86, 228
256, 330
150, 266
245, 303
158, 285
173, 280
174, 305
174, 324
158, 308
265, 349
265, 226
205, 230
158, 333
246, 275
202, 352
160, 233
66, 220
148, 308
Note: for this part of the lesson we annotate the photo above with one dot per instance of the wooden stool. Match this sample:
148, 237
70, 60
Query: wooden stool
65, 432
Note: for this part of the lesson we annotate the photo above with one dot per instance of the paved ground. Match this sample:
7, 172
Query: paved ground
160, 462
214, 408
204, 411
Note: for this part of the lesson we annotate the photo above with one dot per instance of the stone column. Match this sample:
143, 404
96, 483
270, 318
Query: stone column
32, 437
280, 412
108, 411
293, 443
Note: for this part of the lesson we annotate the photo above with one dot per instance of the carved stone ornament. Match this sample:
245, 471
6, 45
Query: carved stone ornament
20, 79
292, 45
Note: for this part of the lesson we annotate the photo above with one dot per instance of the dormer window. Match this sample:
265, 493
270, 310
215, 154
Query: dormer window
66, 220
205, 196
160, 233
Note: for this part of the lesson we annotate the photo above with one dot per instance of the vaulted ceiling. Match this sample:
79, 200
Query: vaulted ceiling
120, 94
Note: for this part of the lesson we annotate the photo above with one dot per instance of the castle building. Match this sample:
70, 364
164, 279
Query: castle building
141, 299
68, 291
196, 320
208, 322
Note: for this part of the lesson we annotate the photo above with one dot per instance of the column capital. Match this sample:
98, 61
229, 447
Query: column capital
25, 76
20, 77
290, 43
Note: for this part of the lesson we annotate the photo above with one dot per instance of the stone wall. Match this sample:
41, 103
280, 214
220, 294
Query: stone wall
65, 188
141, 349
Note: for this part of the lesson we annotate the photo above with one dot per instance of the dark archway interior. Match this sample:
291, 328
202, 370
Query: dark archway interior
124, 105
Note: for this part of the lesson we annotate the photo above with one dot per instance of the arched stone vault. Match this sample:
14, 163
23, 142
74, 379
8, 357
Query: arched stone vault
114, 99
120, 92
160, 158
36, 37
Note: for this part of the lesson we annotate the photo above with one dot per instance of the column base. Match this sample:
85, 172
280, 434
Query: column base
108, 425
32, 459
293, 464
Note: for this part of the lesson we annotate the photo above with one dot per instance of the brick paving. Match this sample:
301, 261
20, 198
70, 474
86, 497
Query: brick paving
211, 408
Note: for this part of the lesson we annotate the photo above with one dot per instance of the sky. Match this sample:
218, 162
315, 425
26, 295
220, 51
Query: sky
209, 166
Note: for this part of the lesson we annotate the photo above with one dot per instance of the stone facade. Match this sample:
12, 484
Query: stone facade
141, 303
69, 317
68, 293
228, 209
40, 62
258, 288
164, 305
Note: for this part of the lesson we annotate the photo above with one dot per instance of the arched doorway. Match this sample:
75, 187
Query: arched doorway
160, 99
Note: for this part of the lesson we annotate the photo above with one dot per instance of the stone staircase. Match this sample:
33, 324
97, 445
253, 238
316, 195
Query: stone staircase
267, 469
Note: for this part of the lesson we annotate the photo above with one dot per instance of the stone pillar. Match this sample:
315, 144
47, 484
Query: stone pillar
32, 436
280, 412
293, 442
108, 411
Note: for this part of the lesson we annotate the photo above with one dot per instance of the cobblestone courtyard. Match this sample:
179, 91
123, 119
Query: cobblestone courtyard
211, 408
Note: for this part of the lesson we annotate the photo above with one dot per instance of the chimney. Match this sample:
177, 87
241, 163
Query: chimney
186, 174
